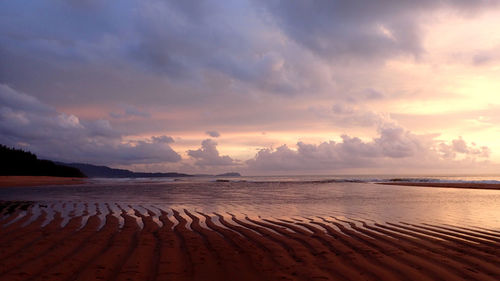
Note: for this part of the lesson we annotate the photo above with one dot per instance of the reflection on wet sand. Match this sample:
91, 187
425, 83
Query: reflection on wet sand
121, 241
361, 200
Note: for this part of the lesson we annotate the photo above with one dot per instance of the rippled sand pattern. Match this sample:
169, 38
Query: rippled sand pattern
109, 241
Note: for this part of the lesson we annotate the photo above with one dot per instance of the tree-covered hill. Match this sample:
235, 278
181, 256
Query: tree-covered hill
16, 162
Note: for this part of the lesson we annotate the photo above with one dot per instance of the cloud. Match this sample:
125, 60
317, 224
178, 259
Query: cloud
163, 139
159, 56
27, 122
394, 148
346, 115
374, 30
168, 52
19, 101
460, 147
154, 150
130, 111
208, 155
486, 56
372, 94
295, 69
213, 134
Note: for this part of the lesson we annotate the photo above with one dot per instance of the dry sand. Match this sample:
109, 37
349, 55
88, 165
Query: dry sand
188, 245
19, 181
446, 184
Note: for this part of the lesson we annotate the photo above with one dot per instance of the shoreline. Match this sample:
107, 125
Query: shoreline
487, 186
30, 181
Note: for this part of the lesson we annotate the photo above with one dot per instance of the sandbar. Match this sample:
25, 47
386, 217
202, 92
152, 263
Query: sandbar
446, 184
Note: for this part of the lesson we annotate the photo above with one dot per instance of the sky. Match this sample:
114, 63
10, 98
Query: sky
262, 87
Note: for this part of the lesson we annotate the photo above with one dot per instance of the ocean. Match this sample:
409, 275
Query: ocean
284, 197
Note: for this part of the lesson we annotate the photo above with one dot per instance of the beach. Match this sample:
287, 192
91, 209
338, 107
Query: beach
139, 243
23, 181
237, 230
249, 140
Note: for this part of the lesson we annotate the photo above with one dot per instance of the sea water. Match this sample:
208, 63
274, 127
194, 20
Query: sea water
295, 197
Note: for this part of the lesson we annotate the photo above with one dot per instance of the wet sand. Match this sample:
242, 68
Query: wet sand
122, 242
446, 184
20, 181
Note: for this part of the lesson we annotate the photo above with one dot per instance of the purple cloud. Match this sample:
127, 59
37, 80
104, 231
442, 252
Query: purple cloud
208, 155
213, 134
395, 147
353, 30
26, 122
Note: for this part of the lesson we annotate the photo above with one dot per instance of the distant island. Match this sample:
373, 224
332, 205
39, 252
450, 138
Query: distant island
17, 162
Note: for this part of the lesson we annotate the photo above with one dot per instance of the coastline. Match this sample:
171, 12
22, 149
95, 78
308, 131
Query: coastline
489, 186
29, 181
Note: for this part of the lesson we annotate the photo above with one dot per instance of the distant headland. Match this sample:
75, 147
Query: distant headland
17, 162
95, 171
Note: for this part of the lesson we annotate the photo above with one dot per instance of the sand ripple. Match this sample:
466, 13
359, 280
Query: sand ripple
112, 241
